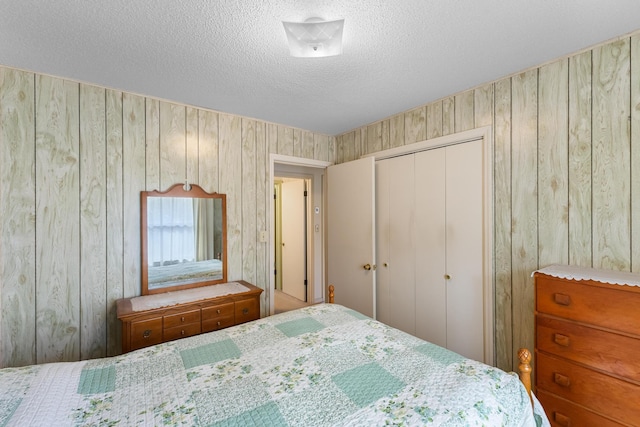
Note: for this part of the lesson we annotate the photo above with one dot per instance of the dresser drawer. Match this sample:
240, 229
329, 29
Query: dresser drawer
183, 318
598, 392
218, 311
247, 310
614, 353
219, 322
613, 306
181, 331
145, 333
563, 413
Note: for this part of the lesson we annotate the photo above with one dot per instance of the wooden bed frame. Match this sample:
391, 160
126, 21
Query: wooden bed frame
524, 356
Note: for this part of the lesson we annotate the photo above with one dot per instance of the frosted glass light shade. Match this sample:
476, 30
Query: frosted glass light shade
314, 38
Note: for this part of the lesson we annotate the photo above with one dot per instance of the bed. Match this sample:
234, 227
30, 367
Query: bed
183, 273
322, 365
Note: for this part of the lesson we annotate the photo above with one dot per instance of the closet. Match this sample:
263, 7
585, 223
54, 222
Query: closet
430, 246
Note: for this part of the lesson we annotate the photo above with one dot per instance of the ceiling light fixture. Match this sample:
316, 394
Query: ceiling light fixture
314, 37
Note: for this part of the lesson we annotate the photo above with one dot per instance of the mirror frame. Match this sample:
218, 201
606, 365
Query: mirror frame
179, 190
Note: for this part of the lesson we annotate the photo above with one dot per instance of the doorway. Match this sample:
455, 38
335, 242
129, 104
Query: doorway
312, 171
291, 241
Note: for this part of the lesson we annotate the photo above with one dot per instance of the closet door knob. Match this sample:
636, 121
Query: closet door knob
446, 276
367, 267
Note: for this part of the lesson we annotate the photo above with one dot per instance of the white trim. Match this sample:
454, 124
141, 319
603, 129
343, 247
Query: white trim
484, 133
293, 161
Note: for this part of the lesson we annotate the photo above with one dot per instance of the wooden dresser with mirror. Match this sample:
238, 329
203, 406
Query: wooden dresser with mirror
184, 271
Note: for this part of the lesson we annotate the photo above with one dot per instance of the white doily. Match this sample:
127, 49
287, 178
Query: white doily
149, 302
595, 274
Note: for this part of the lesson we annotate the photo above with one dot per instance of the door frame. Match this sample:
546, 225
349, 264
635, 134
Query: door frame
312, 167
486, 134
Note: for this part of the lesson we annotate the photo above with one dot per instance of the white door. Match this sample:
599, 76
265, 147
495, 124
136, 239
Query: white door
293, 239
395, 242
351, 234
464, 228
449, 256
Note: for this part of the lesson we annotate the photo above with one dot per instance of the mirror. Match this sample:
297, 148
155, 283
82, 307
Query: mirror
183, 239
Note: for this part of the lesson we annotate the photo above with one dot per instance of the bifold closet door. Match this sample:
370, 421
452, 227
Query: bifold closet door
395, 242
449, 281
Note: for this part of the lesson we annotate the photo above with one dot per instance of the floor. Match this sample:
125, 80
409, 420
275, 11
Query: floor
285, 302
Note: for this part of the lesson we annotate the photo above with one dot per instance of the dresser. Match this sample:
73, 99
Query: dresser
587, 359
154, 319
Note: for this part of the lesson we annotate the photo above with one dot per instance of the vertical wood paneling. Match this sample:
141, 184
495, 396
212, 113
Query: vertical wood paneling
320, 147
635, 153
374, 138
386, 144
524, 194
152, 144
434, 120
262, 207
133, 181
272, 139
297, 143
208, 150
93, 223
348, 145
332, 150
308, 146
172, 144
249, 197
57, 220
611, 156
415, 125
230, 139
114, 217
396, 131
448, 116
17, 210
502, 227
483, 106
193, 147
553, 164
464, 110
580, 247
285, 141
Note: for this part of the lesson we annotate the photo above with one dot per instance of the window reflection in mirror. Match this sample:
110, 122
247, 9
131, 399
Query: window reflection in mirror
184, 242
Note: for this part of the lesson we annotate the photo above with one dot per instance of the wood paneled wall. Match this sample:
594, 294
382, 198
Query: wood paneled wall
567, 170
73, 160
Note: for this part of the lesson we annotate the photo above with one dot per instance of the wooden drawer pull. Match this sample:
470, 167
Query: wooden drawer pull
218, 311
562, 299
146, 333
245, 311
562, 340
182, 319
219, 323
561, 419
561, 380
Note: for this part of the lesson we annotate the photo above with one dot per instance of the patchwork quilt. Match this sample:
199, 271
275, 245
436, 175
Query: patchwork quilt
324, 365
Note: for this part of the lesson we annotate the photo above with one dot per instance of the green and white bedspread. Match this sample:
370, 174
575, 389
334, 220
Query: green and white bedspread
323, 365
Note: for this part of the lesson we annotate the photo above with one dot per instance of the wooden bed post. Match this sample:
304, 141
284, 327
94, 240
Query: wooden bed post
524, 356
331, 293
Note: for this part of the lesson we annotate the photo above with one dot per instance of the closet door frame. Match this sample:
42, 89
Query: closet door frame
485, 134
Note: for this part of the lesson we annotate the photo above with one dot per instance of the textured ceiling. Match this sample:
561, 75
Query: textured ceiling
231, 55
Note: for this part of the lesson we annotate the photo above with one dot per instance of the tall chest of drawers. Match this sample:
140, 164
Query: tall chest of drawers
588, 346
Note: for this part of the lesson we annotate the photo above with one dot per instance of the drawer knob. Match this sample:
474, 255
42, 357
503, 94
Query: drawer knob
182, 319
218, 311
562, 299
146, 333
182, 332
219, 323
562, 340
245, 311
561, 380
561, 419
